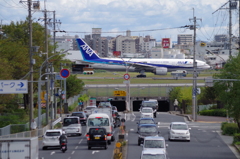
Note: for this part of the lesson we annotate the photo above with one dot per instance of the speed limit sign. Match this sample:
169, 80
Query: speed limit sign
126, 76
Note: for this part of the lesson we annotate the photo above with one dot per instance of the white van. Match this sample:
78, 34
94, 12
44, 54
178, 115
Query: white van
72, 126
103, 120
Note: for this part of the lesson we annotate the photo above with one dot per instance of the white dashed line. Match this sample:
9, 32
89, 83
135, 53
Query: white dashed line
80, 141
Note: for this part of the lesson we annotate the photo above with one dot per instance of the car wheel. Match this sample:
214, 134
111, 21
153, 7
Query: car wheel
44, 147
139, 143
106, 147
188, 140
89, 147
109, 142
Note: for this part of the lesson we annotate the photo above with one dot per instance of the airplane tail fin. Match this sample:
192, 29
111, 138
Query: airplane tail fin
87, 52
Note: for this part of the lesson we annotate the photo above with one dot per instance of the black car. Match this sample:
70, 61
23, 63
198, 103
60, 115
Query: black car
97, 137
82, 116
145, 121
147, 130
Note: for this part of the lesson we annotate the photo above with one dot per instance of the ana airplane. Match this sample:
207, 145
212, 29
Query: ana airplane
156, 66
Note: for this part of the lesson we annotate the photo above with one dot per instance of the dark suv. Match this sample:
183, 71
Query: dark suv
82, 117
147, 130
97, 137
152, 104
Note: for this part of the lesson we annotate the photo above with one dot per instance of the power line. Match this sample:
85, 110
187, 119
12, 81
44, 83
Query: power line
84, 32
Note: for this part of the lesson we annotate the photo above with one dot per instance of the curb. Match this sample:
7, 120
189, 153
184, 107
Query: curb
237, 147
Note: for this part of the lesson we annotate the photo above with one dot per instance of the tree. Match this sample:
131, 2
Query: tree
208, 95
228, 91
74, 86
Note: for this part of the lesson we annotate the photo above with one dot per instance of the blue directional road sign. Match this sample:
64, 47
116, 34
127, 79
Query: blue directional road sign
64, 73
13, 86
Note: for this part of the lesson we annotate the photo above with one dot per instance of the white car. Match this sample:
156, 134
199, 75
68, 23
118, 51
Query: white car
179, 131
88, 109
51, 138
154, 143
153, 154
146, 112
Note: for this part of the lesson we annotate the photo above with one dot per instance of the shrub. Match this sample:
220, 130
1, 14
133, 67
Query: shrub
230, 129
223, 124
214, 112
236, 139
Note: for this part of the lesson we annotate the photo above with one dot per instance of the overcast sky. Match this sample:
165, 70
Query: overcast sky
157, 18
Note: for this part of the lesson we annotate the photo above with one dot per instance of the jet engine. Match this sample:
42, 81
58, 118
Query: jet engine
160, 71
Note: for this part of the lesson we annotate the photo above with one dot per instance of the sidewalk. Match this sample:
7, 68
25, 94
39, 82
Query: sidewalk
201, 118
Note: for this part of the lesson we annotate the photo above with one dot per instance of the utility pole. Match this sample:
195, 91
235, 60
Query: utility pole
230, 29
232, 5
31, 62
194, 90
46, 51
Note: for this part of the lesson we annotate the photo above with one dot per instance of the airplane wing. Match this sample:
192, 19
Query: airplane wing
141, 65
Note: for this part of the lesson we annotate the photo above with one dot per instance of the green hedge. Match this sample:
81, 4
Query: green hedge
236, 138
230, 129
214, 112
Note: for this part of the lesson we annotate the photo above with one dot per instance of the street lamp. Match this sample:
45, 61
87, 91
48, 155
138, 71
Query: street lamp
39, 86
39, 99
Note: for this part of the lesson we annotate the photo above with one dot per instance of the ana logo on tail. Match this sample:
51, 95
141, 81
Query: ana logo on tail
88, 50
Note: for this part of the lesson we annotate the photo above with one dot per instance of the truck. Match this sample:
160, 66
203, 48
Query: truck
19, 148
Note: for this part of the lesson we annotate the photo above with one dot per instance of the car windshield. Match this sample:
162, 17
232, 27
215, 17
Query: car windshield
78, 114
147, 110
146, 121
153, 156
53, 133
149, 129
154, 144
104, 104
179, 127
149, 104
98, 122
69, 121
89, 108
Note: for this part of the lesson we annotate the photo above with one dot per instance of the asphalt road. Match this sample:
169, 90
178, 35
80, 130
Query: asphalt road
206, 142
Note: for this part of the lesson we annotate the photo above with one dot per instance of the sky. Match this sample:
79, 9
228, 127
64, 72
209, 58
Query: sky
157, 18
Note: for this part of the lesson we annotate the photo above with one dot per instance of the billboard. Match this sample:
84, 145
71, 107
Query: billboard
166, 43
116, 53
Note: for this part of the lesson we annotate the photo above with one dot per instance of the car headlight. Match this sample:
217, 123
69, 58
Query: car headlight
187, 132
172, 132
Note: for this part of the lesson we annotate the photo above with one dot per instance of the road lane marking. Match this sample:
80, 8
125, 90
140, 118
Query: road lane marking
76, 147
94, 152
80, 141
73, 152
52, 152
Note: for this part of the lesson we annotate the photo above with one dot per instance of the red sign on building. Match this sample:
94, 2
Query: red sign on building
116, 53
166, 42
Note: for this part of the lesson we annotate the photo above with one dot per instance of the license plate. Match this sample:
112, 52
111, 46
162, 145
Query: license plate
97, 137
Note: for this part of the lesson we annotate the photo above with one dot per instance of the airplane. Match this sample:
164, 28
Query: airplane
142, 65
